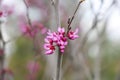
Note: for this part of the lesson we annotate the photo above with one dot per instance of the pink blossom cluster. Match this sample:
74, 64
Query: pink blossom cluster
59, 38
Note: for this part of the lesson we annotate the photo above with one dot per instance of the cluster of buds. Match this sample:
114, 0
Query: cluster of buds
59, 38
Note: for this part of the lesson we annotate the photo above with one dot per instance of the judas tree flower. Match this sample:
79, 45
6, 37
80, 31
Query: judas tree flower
49, 46
59, 39
61, 31
62, 43
73, 34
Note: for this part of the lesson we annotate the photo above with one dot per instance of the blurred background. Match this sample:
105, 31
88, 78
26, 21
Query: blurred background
95, 55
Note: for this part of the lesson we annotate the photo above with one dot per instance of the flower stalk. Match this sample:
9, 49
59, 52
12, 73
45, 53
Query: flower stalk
59, 65
70, 20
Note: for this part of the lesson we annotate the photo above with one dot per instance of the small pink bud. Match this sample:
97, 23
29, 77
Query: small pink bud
73, 34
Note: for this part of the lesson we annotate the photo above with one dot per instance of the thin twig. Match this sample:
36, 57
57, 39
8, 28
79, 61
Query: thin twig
58, 23
27, 14
70, 20
59, 65
95, 22
98, 58
32, 28
84, 40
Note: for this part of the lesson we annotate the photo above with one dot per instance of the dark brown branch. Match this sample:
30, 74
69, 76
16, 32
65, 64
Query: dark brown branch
70, 20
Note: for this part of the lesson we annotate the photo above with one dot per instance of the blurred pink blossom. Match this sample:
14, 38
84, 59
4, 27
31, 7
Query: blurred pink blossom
25, 29
32, 31
6, 10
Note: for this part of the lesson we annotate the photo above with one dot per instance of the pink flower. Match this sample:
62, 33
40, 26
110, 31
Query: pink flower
61, 42
49, 47
58, 39
61, 31
73, 34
